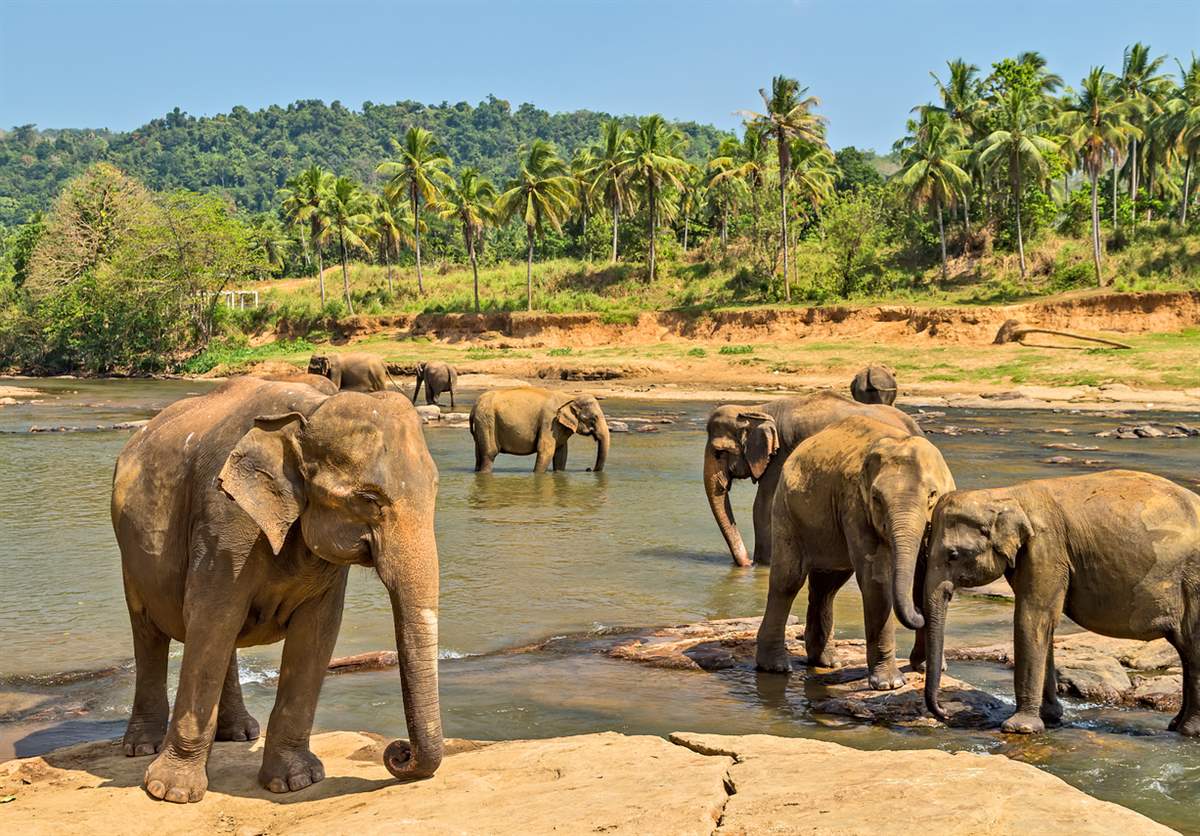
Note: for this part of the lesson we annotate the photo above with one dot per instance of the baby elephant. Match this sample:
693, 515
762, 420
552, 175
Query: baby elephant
874, 384
1118, 552
351, 372
438, 377
854, 499
526, 420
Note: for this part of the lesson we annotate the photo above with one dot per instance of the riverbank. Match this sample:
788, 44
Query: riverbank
598, 783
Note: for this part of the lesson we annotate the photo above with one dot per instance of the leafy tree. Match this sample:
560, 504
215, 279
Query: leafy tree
419, 173
347, 211
471, 202
655, 164
612, 171
691, 198
541, 195
269, 239
932, 174
301, 205
854, 170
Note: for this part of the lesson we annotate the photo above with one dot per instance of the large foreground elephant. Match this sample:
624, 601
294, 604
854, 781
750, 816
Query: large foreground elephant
438, 377
238, 515
752, 442
854, 499
874, 384
1118, 552
351, 372
526, 420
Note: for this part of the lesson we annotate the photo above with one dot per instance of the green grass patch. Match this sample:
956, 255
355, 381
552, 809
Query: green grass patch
697, 352
233, 356
736, 349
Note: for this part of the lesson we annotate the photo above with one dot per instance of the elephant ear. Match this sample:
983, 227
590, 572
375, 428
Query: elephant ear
567, 416
880, 379
761, 441
262, 475
1010, 530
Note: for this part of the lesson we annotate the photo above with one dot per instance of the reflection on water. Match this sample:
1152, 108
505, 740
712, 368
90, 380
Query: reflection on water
527, 556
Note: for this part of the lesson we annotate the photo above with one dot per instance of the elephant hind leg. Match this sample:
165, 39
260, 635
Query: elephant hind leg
233, 720
818, 627
788, 571
485, 448
148, 723
1187, 642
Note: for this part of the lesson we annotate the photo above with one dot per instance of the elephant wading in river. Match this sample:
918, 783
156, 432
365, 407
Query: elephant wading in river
239, 514
752, 442
438, 377
1118, 552
351, 372
874, 384
526, 420
854, 499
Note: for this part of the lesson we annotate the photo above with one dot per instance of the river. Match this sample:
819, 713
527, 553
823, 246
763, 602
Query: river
525, 557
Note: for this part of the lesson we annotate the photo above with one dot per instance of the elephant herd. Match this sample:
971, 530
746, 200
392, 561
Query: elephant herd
239, 512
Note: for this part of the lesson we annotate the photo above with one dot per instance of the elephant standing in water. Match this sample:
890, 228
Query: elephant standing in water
526, 420
351, 372
752, 442
238, 515
1118, 552
854, 499
438, 377
874, 384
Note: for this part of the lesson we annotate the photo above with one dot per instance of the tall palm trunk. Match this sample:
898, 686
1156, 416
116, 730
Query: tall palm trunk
387, 257
652, 206
1017, 199
1114, 190
1187, 182
966, 217
724, 228
583, 237
783, 234
474, 268
416, 202
345, 273
686, 218
1096, 225
316, 239
942, 236
529, 271
616, 209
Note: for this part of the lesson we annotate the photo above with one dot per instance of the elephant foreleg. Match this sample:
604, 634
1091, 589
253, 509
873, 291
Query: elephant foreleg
148, 722
883, 674
788, 571
545, 453
1052, 710
560, 456
233, 720
452, 396
311, 633
818, 626
763, 502
1034, 621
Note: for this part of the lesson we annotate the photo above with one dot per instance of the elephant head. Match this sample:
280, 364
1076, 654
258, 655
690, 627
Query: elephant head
900, 482
324, 365
357, 477
582, 415
874, 384
741, 444
975, 538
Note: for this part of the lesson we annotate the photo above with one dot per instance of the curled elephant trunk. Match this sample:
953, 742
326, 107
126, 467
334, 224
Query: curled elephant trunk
601, 444
409, 570
937, 601
907, 530
716, 487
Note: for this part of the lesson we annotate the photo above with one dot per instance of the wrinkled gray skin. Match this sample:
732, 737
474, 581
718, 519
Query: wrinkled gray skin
438, 377
526, 420
238, 515
351, 372
874, 384
752, 442
854, 499
322, 384
1118, 552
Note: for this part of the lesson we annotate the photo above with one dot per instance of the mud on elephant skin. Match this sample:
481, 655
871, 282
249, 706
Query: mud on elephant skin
238, 514
752, 442
437, 377
526, 420
1118, 552
352, 372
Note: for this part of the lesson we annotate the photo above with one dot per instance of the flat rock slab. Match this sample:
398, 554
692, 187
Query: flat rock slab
791, 785
843, 691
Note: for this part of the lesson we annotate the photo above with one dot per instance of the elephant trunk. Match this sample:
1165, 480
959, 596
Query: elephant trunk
417, 389
410, 573
907, 530
937, 600
716, 487
601, 434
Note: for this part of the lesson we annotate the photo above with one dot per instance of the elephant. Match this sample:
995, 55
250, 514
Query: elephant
351, 372
874, 384
322, 384
238, 515
753, 442
527, 420
854, 498
1117, 551
438, 377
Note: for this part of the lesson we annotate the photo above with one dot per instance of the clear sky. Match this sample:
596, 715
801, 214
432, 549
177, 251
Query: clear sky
119, 63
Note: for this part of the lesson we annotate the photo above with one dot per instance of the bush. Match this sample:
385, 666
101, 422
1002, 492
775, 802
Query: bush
736, 349
697, 352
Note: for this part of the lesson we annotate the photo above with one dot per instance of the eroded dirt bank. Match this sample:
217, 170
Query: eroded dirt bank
596, 783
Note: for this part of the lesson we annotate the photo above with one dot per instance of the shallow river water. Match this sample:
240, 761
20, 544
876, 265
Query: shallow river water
525, 557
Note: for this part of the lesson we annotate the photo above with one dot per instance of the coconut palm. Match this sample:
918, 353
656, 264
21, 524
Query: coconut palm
583, 172
814, 172
722, 186
1140, 84
1182, 126
655, 163
962, 102
1097, 124
268, 238
932, 174
471, 202
347, 212
542, 194
788, 116
417, 173
1047, 81
611, 174
691, 198
301, 202
392, 230
739, 168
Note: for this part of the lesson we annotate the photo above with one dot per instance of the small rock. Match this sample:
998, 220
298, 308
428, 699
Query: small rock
1060, 431
1161, 693
1151, 656
457, 416
130, 425
1070, 445
1186, 429
1147, 431
647, 428
1095, 678
1058, 460
618, 427
429, 413
8, 401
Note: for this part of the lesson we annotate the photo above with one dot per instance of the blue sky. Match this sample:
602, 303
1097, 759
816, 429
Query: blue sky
118, 63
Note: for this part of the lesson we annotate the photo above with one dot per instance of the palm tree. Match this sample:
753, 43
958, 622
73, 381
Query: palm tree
301, 202
347, 209
470, 201
267, 237
542, 193
391, 231
788, 116
612, 172
931, 173
962, 102
656, 164
1097, 125
691, 198
418, 172
1139, 85
583, 171
1018, 141
1182, 126
723, 186
1047, 81
739, 166
814, 172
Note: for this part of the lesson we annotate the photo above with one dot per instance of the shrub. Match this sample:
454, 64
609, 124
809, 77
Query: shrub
736, 349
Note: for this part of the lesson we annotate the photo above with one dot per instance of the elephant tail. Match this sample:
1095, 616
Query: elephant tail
395, 385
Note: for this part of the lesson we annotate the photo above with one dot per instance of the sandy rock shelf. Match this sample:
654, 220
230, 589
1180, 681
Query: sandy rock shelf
596, 783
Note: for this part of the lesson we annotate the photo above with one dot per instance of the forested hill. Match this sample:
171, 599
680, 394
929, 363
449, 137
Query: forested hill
249, 154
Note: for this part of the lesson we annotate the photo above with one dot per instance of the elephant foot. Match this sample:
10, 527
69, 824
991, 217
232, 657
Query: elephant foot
1188, 727
173, 779
1022, 723
144, 736
288, 770
1051, 713
773, 660
888, 679
238, 727
824, 659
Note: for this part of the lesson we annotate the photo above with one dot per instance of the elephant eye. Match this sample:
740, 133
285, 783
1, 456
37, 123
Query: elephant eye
371, 497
